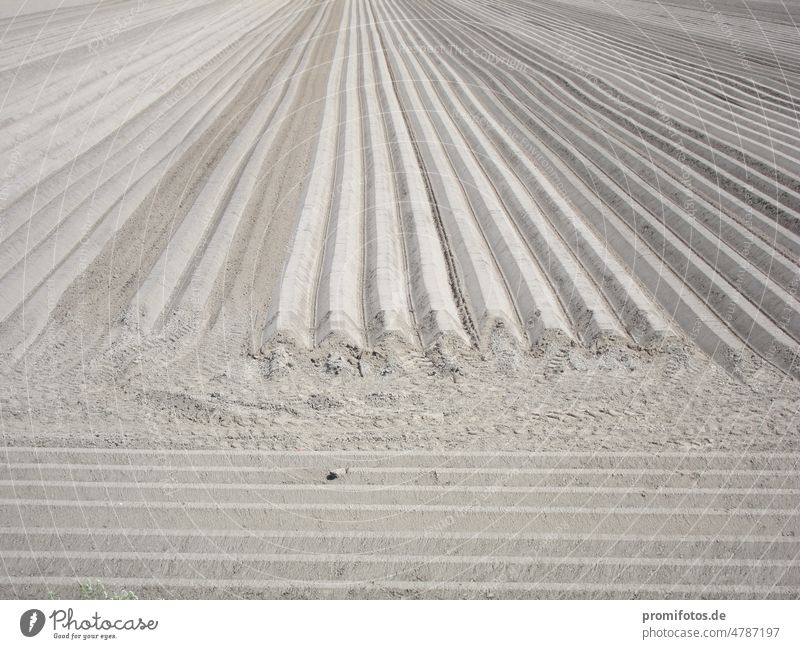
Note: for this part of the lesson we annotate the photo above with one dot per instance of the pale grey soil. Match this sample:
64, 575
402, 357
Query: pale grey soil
182, 396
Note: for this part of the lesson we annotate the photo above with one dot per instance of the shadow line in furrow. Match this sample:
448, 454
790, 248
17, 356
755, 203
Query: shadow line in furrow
599, 53
464, 210
433, 308
178, 47
366, 168
126, 175
286, 47
222, 251
273, 209
749, 86
171, 274
204, 159
468, 196
331, 216
765, 296
590, 327
50, 61
632, 317
292, 310
101, 128
663, 41
386, 260
570, 81
114, 152
637, 318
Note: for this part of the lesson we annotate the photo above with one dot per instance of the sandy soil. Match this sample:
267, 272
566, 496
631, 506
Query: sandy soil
399, 524
303, 224
509, 227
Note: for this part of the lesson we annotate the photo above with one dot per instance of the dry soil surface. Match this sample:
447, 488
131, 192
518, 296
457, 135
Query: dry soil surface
560, 236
